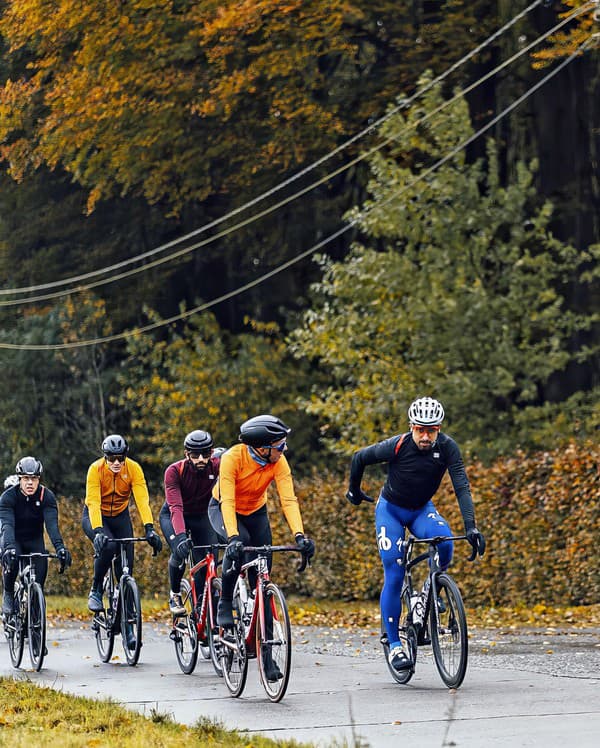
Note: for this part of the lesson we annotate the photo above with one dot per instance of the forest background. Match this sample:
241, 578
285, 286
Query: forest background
141, 146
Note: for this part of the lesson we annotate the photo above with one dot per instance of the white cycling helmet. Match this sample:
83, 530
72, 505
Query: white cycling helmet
425, 411
10, 481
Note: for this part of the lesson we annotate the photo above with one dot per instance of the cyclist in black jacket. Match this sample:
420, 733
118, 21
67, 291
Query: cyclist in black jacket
416, 463
24, 510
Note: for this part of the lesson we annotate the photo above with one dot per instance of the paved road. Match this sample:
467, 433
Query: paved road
531, 689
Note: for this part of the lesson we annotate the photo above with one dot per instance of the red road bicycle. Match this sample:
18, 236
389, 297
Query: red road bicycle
196, 630
261, 627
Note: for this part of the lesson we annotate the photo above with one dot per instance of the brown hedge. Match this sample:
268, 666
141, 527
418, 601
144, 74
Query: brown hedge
539, 513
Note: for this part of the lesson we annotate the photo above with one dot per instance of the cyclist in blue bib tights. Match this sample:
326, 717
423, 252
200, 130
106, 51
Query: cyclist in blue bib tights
416, 463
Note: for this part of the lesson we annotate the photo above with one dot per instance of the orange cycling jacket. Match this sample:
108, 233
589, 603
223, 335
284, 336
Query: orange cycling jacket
242, 488
107, 494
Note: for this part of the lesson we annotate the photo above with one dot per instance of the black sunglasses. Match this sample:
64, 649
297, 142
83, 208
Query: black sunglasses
202, 453
115, 458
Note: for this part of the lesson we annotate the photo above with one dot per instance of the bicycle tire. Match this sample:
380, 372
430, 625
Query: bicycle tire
36, 625
212, 630
14, 627
449, 636
185, 632
103, 622
277, 642
408, 636
234, 655
131, 619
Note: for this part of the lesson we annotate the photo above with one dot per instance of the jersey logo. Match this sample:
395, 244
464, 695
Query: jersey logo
383, 541
436, 455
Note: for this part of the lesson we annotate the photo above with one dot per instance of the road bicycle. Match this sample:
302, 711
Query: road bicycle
434, 615
196, 631
122, 610
29, 619
261, 627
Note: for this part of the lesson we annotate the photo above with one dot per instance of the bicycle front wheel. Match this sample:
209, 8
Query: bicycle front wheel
408, 636
449, 638
14, 628
234, 655
36, 625
131, 620
185, 633
274, 644
103, 623
212, 630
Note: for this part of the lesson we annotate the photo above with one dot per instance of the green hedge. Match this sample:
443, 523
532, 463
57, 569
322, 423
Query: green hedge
540, 515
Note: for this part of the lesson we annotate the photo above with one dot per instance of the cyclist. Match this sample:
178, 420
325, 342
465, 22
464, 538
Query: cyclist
25, 509
416, 463
188, 488
238, 509
111, 481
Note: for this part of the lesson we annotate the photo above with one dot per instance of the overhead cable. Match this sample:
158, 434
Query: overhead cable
263, 196
315, 248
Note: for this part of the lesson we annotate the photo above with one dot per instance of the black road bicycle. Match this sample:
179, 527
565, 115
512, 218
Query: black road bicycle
434, 615
29, 619
122, 609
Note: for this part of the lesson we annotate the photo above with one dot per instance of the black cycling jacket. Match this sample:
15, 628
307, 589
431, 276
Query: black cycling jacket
413, 476
23, 517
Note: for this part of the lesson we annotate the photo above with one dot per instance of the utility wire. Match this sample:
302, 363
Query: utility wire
257, 281
281, 203
404, 103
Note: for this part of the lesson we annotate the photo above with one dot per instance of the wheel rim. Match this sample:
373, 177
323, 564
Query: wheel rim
131, 619
103, 623
212, 629
277, 645
36, 625
234, 659
449, 634
185, 632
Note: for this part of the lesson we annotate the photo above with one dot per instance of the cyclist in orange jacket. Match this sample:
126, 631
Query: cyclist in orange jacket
238, 509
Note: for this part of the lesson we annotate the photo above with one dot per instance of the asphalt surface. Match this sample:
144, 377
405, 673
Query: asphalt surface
522, 688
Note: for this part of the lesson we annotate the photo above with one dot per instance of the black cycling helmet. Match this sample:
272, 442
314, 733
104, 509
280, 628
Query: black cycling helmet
115, 444
261, 431
29, 466
198, 441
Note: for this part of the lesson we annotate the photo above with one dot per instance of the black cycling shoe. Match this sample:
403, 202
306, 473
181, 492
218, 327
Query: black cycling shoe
398, 659
272, 671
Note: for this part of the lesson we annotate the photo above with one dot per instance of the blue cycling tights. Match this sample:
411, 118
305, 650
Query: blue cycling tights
391, 522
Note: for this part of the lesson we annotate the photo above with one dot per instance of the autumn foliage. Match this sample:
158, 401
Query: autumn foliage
540, 515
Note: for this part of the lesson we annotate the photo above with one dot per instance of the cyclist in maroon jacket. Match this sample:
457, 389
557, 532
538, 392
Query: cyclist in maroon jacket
188, 488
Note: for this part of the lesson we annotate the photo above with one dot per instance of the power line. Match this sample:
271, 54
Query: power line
315, 248
282, 185
261, 214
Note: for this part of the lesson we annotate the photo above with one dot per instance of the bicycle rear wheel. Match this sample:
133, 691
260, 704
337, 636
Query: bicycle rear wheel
274, 652
103, 622
234, 655
449, 639
14, 628
185, 633
408, 636
131, 620
212, 630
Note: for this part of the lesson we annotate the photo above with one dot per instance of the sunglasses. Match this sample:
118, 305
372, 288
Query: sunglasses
430, 430
202, 453
278, 447
115, 458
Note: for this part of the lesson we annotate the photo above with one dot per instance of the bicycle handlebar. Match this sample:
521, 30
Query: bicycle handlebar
264, 550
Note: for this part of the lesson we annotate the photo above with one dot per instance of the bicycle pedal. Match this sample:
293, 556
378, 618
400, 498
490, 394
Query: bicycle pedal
384, 639
174, 636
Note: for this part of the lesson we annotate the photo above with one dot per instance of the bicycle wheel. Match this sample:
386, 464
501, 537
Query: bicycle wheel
408, 636
103, 622
131, 620
185, 633
234, 655
275, 651
36, 625
448, 623
212, 630
14, 628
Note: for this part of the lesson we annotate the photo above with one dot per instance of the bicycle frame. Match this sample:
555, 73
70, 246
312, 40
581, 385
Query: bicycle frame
210, 563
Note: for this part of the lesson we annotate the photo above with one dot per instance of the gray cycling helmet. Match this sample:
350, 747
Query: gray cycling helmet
115, 444
261, 431
425, 411
219, 451
198, 441
29, 466
10, 481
